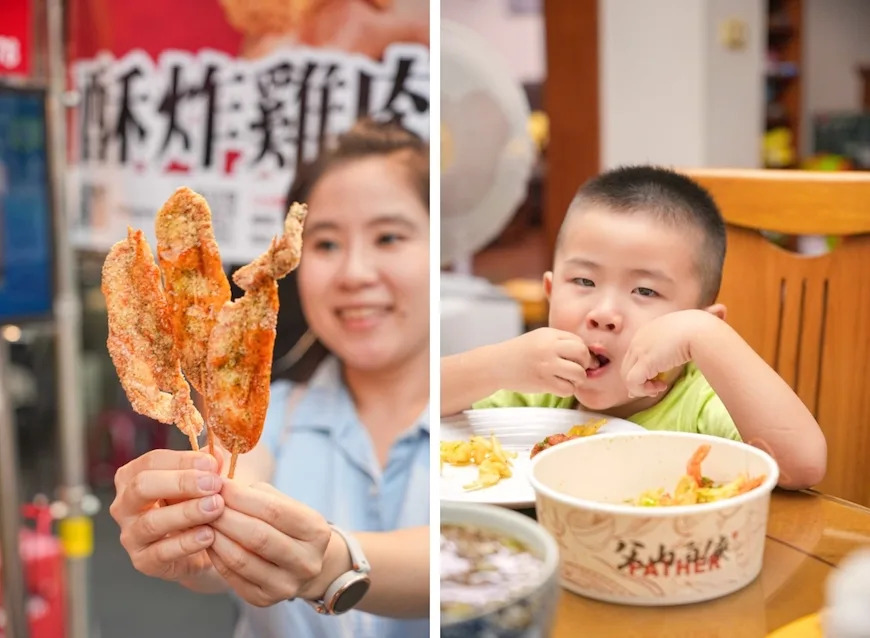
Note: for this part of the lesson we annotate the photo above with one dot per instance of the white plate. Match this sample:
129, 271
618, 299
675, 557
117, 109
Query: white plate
523, 427
516, 491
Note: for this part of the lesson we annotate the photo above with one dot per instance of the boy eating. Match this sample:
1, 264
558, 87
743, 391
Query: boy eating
635, 333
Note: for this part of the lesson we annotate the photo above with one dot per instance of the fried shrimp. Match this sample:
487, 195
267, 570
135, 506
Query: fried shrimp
242, 341
141, 341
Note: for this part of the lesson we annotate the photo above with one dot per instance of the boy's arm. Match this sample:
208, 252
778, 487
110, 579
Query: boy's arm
468, 377
766, 411
543, 360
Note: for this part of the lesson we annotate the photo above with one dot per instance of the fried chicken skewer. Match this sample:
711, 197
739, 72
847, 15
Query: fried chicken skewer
141, 341
196, 286
241, 344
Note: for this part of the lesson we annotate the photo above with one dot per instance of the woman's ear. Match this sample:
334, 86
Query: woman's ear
717, 309
548, 283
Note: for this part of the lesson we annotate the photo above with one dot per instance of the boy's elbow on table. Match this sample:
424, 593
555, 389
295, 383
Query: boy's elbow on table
806, 469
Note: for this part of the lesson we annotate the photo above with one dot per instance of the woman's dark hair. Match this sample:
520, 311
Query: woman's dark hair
297, 351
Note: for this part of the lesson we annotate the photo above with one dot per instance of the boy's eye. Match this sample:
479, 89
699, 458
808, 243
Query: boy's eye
386, 239
582, 281
646, 292
325, 245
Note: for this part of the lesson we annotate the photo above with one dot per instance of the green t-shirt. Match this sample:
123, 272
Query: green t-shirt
690, 406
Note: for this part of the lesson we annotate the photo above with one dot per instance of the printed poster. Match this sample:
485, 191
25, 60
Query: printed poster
227, 97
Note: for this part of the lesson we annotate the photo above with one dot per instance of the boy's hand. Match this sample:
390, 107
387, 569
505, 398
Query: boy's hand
659, 347
543, 360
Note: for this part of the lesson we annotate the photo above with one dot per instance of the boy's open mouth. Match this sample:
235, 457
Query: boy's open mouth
599, 362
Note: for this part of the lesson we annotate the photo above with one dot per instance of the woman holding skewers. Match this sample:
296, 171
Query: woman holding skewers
340, 477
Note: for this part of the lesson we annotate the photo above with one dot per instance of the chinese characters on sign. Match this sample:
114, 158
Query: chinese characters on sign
639, 560
235, 130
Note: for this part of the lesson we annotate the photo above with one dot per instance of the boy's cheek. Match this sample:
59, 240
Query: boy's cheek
565, 316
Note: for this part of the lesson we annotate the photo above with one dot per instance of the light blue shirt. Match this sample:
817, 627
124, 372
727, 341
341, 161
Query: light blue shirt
325, 458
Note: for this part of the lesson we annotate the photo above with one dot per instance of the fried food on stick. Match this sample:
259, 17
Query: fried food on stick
240, 349
141, 341
196, 286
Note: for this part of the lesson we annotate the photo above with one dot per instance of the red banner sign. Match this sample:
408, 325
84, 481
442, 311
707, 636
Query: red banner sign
15, 30
229, 108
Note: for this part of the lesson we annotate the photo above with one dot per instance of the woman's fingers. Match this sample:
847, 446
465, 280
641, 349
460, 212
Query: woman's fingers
152, 525
163, 475
263, 502
248, 591
165, 460
258, 581
261, 539
267, 545
145, 488
170, 558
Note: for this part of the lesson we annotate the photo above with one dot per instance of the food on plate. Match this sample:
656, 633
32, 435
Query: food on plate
196, 285
141, 342
482, 569
493, 462
241, 343
158, 336
584, 429
694, 488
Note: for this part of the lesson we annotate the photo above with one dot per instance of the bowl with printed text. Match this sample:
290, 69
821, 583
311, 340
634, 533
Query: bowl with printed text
660, 518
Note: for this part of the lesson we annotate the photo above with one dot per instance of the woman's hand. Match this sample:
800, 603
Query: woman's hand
267, 546
165, 501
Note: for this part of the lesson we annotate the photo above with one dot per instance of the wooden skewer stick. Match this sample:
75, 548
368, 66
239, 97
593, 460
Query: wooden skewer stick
208, 428
233, 459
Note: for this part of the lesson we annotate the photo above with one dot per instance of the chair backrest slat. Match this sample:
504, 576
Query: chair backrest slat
807, 316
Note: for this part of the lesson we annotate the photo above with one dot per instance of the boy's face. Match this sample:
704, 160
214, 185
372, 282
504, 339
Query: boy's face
615, 272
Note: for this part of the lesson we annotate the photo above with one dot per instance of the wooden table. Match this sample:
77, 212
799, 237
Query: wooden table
808, 535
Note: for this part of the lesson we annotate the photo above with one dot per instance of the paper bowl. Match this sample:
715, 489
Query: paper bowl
621, 553
530, 613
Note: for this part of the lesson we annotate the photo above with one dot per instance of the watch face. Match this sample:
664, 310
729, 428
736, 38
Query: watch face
348, 598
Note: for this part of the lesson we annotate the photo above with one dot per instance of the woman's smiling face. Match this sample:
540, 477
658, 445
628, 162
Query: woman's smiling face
364, 274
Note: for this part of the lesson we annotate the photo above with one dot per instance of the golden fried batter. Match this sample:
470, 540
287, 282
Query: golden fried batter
196, 285
241, 344
258, 17
141, 341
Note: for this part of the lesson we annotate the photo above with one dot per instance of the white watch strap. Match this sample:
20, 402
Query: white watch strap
359, 571
358, 560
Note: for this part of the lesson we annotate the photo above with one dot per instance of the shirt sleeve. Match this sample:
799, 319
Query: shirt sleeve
714, 420
511, 399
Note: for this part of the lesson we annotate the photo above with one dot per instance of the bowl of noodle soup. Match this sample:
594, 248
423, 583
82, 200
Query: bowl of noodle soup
499, 572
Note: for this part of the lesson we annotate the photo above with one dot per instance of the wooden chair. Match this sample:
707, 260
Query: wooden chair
807, 316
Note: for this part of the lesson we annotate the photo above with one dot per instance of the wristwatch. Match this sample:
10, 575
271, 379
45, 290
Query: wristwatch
347, 590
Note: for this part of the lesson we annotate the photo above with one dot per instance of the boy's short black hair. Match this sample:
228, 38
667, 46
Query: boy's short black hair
668, 195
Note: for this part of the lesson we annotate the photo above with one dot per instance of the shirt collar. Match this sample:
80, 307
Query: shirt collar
334, 401
424, 420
